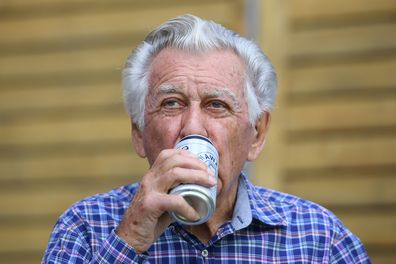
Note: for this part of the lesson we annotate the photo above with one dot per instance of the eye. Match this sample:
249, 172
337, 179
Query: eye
216, 104
172, 103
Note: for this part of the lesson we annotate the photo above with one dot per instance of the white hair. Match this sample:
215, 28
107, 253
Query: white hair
194, 34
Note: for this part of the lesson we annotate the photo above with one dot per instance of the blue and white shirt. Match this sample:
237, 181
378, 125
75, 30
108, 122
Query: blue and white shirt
267, 227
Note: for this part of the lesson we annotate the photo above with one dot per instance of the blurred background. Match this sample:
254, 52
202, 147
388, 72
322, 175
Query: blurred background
64, 134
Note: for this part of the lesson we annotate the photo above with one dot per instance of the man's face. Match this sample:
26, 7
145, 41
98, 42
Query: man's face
199, 94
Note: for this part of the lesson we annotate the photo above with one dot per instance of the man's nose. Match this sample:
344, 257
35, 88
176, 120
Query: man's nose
193, 122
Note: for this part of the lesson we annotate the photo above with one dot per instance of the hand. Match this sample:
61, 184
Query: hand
147, 218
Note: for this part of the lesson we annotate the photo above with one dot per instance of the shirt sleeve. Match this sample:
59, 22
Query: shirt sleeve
73, 243
115, 250
347, 248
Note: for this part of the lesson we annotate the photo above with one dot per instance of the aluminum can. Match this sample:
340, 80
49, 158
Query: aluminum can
201, 198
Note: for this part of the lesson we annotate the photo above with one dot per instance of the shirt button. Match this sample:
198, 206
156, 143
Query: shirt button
204, 253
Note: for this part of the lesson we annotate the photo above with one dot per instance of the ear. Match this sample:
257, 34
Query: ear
260, 133
137, 139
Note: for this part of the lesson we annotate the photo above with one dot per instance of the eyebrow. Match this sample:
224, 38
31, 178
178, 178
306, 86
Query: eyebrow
169, 88
227, 93
216, 92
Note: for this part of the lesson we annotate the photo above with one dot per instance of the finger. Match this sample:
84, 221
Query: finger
173, 167
180, 175
170, 158
181, 207
186, 153
159, 203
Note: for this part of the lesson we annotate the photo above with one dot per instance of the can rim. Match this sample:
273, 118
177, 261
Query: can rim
196, 136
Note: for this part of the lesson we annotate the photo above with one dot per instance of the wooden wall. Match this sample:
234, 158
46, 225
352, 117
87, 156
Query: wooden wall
64, 134
333, 138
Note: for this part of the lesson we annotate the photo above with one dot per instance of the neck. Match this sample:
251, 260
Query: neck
223, 213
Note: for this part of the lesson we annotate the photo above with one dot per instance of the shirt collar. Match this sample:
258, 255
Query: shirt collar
260, 209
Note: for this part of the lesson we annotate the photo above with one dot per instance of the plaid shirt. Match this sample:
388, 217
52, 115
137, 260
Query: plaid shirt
267, 227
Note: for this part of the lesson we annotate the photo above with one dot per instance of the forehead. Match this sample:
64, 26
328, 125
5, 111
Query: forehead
211, 69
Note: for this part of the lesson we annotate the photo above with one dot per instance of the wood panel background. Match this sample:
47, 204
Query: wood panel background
65, 135
333, 139
64, 132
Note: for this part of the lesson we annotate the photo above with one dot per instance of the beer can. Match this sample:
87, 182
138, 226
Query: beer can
201, 198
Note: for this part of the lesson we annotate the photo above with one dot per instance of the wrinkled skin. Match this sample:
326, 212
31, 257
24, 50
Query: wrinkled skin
190, 94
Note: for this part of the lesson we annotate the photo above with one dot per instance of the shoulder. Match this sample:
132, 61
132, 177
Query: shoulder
300, 213
82, 228
285, 202
307, 221
108, 207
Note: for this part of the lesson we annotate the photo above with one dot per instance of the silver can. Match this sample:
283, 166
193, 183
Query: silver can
201, 198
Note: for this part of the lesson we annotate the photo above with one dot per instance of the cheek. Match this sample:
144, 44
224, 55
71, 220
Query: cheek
234, 148
160, 134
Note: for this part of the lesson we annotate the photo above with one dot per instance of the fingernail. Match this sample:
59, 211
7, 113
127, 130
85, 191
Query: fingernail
196, 216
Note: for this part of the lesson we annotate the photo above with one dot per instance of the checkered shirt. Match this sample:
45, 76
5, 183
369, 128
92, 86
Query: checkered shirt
267, 227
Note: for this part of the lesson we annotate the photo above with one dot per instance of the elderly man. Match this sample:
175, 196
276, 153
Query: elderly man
194, 77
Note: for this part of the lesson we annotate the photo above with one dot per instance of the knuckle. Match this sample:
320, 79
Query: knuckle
149, 203
163, 154
174, 172
162, 205
145, 185
167, 152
